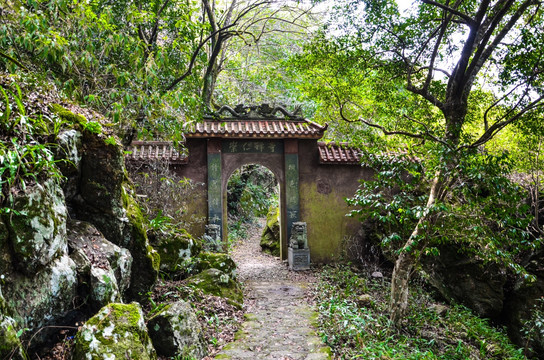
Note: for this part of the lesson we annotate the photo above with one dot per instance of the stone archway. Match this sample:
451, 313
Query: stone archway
279, 156
314, 177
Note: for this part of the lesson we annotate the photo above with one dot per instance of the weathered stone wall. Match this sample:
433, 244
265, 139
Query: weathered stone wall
197, 171
322, 205
322, 189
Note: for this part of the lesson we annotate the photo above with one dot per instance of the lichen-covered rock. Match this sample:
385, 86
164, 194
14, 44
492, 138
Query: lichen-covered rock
175, 248
105, 200
215, 282
270, 239
69, 150
43, 298
10, 344
220, 261
38, 227
175, 331
84, 238
104, 286
118, 331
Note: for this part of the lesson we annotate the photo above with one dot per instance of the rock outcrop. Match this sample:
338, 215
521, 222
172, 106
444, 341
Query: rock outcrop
39, 278
176, 332
105, 199
117, 331
524, 308
56, 270
270, 239
468, 281
100, 263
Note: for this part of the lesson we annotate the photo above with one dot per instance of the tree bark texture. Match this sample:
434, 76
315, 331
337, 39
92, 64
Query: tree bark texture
404, 265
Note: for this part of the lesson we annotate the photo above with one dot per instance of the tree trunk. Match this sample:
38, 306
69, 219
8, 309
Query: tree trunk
405, 263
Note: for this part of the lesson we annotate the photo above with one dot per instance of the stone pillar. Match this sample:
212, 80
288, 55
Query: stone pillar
215, 198
291, 183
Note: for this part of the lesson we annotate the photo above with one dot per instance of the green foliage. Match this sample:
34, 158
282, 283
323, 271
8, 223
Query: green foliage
23, 158
533, 329
250, 192
116, 57
356, 327
93, 127
485, 212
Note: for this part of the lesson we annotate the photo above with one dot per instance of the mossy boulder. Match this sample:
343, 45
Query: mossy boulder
100, 258
118, 331
43, 298
68, 116
216, 282
106, 200
270, 239
38, 227
175, 247
176, 332
220, 261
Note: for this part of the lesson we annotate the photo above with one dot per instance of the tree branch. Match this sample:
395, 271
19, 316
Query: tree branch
385, 131
455, 12
484, 52
499, 125
426, 95
193, 58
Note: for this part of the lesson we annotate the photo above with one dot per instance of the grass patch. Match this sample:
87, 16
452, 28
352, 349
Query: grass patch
354, 322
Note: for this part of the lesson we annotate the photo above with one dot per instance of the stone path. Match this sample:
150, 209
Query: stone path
278, 319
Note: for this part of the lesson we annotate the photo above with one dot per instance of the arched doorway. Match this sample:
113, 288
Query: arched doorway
274, 162
252, 193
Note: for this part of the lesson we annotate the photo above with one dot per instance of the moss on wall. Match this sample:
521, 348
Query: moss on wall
328, 225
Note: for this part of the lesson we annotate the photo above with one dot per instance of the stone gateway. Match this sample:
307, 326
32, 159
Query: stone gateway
314, 177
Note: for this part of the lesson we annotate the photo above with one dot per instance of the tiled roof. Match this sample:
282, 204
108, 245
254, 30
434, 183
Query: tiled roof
341, 154
257, 128
154, 150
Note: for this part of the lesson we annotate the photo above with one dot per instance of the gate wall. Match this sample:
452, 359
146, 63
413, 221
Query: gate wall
322, 189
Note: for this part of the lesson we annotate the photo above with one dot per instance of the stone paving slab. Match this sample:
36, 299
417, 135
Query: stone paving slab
279, 325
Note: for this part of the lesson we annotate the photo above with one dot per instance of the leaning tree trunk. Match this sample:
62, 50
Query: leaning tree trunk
405, 263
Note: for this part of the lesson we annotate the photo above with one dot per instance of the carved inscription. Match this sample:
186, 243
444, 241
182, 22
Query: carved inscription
300, 260
253, 146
